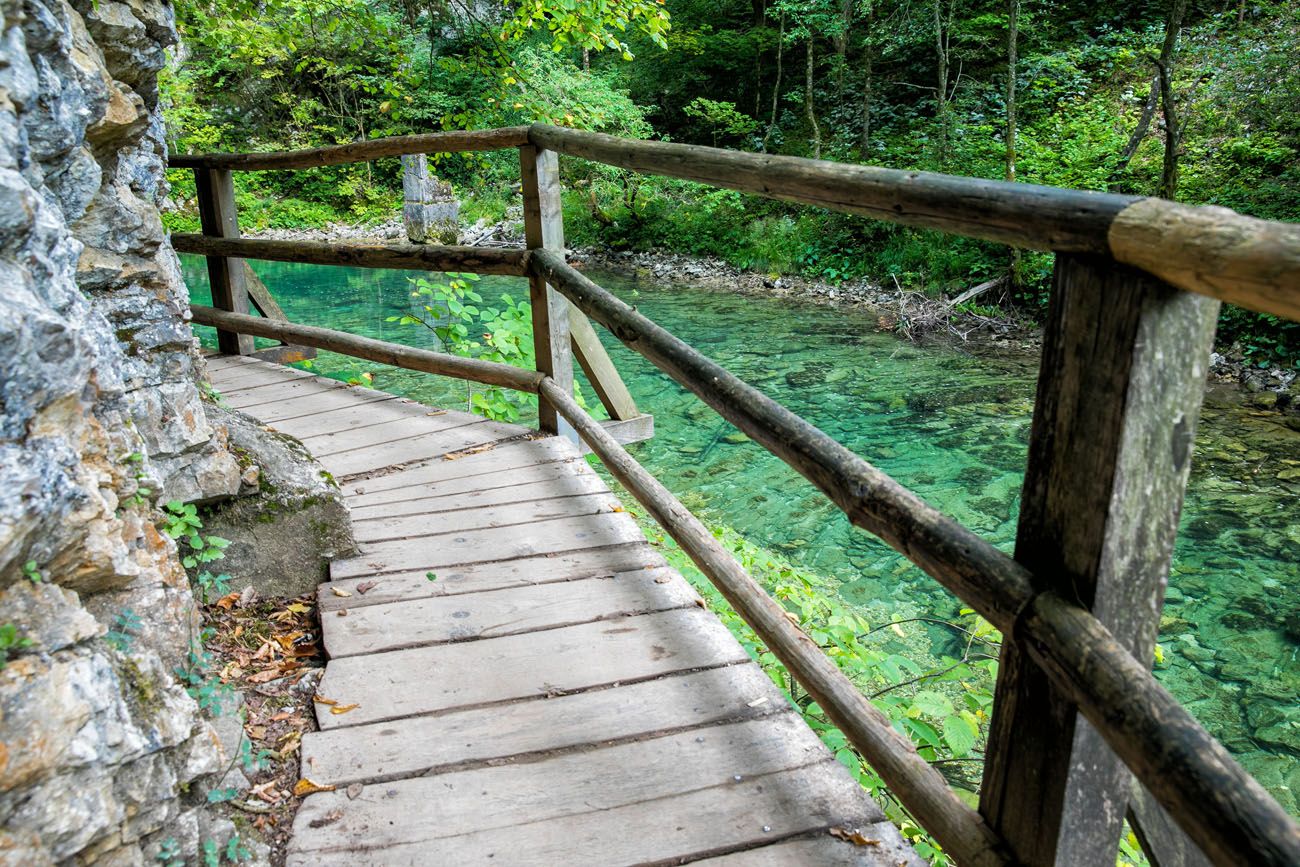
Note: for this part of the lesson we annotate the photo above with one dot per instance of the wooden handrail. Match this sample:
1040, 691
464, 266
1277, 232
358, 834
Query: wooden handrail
1212, 251
381, 351
407, 257
1120, 697
454, 141
918, 786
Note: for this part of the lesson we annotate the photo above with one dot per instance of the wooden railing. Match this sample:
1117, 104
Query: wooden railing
1077, 711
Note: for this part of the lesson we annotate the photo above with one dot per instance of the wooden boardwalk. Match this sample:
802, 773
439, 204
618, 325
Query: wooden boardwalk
533, 685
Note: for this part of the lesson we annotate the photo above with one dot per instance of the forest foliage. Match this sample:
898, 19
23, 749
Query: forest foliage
917, 84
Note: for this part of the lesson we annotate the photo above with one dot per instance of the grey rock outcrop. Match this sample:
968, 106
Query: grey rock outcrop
283, 536
102, 751
430, 210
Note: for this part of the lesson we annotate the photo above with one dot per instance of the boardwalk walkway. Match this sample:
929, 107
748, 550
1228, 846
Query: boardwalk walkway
533, 684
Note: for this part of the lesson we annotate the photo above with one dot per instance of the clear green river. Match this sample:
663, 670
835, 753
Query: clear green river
947, 423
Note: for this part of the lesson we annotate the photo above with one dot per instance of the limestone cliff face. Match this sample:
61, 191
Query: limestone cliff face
98, 399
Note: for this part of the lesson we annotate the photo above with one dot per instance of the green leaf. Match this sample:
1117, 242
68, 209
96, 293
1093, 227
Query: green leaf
959, 734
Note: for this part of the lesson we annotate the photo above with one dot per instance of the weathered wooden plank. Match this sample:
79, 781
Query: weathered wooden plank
420, 680
628, 431
473, 578
1119, 392
350, 417
400, 430
276, 413
568, 483
826, 850
472, 616
452, 141
506, 457
359, 254
462, 802
245, 376
416, 746
381, 351
416, 449
544, 229
680, 827
959, 829
506, 515
219, 217
490, 545
288, 388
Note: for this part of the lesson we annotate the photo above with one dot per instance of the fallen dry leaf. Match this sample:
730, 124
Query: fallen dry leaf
284, 714
354, 791
366, 586
320, 699
343, 708
854, 836
339, 591
228, 601
265, 676
328, 819
306, 787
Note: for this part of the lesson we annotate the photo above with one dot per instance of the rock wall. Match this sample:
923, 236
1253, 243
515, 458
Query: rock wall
101, 750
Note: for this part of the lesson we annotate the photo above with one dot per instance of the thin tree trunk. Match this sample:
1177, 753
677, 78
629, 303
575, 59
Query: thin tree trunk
776, 88
1143, 125
586, 60
941, 92
842, 45
808, 104
1173, 127
868, 60
1013, 36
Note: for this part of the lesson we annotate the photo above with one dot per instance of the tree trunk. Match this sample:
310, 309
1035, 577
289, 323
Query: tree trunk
776, 87
586, 60
868, 59
1013, 36
941, 92
808, 104
1173, 126
1143, 124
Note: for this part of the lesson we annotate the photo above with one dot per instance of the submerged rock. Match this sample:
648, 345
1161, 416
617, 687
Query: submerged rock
291, 525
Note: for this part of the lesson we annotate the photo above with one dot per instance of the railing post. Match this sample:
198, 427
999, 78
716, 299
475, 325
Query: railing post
544, 229
1119, 392
219, 218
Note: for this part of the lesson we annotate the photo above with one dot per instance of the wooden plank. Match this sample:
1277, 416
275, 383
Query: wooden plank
506, 515
359, 254
628, 431
490, 545
452, 141
417, 681
417, 746
232, 380
567, 482
544, 229
1119, 392
350, 417
599, 367
475, 616
409, 421
510, 796
914, 781
506, 457
825, 850
416, 449
685, 825
473, 578
277, 392
380, 351
219, 217
276, 413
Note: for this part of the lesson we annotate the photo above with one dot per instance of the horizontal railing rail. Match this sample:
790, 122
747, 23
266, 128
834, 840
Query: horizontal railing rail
1210, 251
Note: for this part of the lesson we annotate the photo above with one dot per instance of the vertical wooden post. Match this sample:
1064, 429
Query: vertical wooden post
1119, 392
219, 218
544, 228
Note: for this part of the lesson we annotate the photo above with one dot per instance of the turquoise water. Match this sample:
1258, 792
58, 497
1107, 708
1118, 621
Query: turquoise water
947, 423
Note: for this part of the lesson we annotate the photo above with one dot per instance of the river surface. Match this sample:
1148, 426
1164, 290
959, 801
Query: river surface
950, 424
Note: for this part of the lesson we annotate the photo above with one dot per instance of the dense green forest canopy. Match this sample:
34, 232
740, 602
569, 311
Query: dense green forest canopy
1195, 100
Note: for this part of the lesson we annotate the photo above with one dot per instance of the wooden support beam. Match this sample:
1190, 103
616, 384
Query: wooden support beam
633, 430
600, 369
219, 218
372, 149
472, 369
913, 781
1119, 393
356, 254
262, 300
544, 230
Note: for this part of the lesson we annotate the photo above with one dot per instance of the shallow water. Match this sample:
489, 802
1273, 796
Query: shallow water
950, 425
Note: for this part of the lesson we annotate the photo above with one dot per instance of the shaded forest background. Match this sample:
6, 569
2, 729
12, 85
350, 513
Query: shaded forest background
1198, 101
